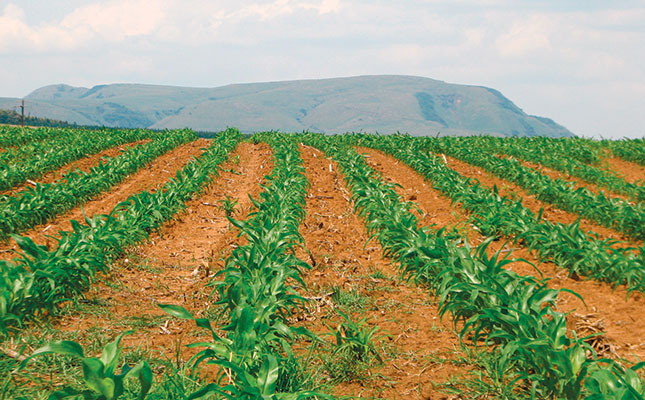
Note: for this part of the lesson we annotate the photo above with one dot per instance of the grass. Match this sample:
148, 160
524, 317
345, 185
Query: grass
349, 300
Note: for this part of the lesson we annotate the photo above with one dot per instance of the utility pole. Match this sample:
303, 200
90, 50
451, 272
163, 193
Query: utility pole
22, 113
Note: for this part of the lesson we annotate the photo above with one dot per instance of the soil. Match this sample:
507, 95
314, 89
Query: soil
604, 309
84, 164
176, 265
421, 345
551, 213
629, 171
553, 174
421, 352
150, 177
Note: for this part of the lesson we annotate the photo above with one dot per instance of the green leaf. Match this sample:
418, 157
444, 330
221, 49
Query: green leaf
63, 347
176, 311
95, 379
268, 375
110, 355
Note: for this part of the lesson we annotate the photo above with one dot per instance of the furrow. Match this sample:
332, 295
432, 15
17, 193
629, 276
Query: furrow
604, 309
342, 263
151, 177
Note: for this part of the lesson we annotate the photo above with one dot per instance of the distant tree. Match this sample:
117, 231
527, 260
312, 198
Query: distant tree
13, 118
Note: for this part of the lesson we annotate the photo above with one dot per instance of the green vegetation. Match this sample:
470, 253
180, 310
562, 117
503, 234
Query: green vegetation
42, 278
31, 160
509, 322
628, 149
513, 314
566, 245
609, 212
571, 156
256, 287
36, 205
11, 117
99, 374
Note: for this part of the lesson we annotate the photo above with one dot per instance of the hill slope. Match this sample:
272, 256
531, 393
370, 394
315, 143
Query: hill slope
386, 104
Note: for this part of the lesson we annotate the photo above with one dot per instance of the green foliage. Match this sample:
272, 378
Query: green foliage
42, 278
628, 149
610, 212
514, 314
572, 156
31, 160
355, 340
613, 382
256, 289
566, 245
99, 374
36, 205
228, 204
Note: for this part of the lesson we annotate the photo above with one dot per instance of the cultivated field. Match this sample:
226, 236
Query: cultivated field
293, 266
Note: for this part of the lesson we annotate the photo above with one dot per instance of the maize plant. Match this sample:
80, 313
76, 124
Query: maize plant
610, 212
16, 136
562, 155
99, 373
628, 149
32, 160
37, 205
256, 288
40, 279
568, 246
514, 314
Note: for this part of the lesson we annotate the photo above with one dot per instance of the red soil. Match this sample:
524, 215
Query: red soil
336, 238
612, 310
629, 171
177, 263
149, 178
84, 164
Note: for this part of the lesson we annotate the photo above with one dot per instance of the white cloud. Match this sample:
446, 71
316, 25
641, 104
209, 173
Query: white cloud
281, 7
517, 47
113, 21
116, 20
526, 37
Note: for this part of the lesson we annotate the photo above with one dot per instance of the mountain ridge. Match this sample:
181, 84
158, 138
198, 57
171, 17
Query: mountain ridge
368, 103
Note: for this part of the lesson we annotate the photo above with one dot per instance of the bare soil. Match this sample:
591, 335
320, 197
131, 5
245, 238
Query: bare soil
604, 309
176, 265
84, 164
629, 171
151, 177
423, 349
551, 213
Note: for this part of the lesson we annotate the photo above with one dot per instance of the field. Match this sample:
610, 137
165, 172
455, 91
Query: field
290, 266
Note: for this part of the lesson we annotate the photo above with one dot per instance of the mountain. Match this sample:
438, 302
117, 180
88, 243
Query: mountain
384, 103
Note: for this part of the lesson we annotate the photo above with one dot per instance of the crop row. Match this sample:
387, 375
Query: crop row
560, 155
628, 149
40, 279
256, 287
612, 213
568, 246
16, 136
28, 150
44, 157
36, 205
513, 314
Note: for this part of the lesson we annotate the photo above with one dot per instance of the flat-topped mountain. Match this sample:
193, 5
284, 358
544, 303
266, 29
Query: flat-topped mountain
383, 103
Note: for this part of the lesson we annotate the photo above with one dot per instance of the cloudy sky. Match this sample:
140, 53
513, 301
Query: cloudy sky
580, 62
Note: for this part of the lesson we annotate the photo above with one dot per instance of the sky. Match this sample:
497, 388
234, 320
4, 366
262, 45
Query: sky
580, 62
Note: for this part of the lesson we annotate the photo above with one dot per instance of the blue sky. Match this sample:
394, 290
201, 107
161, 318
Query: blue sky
580, 62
